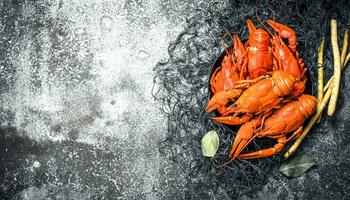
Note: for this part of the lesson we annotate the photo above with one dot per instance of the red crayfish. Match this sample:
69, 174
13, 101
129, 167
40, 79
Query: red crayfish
260, 84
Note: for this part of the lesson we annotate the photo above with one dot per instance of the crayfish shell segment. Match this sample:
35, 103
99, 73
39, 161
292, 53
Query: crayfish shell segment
260, 40
283, 83
307, 104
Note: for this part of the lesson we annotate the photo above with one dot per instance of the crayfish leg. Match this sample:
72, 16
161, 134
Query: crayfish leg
247, 83
295, 134
266, 152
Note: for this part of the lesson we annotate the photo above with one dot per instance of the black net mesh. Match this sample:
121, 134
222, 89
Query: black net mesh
181, 86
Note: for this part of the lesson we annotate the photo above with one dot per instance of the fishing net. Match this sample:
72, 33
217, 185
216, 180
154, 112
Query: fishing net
181, 87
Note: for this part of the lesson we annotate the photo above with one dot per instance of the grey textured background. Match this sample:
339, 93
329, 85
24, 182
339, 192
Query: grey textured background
77, 117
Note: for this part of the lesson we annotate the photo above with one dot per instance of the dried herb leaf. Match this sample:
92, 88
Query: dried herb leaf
297, 165
210, 144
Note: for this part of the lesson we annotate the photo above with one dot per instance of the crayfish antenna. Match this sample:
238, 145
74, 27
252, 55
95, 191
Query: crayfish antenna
273, 13
228, 52
257, 16
223, 43
224, 164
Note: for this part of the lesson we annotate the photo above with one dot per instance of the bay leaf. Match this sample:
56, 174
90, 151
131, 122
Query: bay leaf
297, 165
210, 144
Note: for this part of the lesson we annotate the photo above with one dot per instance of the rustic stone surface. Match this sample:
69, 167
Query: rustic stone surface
77, 118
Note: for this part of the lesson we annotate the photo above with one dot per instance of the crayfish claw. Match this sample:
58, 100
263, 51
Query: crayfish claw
232, 120
285, 32
222, 98
251, 26
243, 137
266, 152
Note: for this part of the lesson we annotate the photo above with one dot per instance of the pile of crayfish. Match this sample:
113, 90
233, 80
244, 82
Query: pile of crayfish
260, 85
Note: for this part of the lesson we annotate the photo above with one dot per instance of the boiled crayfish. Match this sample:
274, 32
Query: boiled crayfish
260, 85
290, 117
